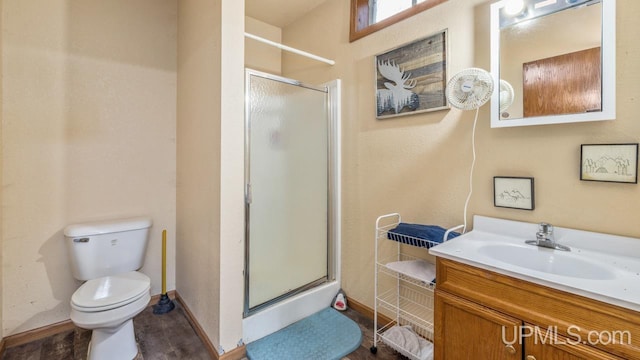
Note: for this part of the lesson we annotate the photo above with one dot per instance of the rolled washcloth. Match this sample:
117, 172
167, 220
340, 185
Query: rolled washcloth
412, 233
407, 339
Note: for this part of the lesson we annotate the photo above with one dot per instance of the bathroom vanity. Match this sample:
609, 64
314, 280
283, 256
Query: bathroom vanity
498, 298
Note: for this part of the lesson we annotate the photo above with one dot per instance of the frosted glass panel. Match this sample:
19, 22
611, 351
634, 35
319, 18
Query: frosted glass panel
289, 196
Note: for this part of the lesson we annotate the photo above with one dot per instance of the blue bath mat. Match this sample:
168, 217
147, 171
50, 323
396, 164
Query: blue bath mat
325, 335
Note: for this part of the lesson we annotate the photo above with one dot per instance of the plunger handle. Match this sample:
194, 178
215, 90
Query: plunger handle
164, 261
165, 304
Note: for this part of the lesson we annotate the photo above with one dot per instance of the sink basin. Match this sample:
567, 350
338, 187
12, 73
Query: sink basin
547, 261
602, 267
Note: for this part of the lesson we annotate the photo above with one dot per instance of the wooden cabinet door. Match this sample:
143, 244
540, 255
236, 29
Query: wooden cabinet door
465, 330
541, 345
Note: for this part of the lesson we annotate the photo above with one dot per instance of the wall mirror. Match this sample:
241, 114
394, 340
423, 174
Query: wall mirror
553, 61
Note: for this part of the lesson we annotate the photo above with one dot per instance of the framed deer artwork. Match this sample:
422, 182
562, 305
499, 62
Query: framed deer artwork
411, 78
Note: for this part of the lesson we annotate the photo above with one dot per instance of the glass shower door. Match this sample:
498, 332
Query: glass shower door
287, 189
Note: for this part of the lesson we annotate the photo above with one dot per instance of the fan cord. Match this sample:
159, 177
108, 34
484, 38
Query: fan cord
473, 164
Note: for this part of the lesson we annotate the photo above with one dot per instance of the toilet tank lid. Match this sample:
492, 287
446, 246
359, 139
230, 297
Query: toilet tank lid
107, 227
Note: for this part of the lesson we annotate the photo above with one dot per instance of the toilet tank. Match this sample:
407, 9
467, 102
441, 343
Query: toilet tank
106, 248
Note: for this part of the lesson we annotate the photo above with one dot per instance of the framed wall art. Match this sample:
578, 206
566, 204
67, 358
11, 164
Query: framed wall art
609, 162
513, 192
411, 79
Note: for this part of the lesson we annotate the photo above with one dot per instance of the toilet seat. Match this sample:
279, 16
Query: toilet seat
110, 292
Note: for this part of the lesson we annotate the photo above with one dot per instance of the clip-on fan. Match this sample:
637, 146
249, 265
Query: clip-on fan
468, 90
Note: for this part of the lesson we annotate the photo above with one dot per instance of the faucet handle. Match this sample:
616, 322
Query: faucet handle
545, 228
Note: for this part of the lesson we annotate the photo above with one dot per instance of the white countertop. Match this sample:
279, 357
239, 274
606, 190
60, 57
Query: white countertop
599, 266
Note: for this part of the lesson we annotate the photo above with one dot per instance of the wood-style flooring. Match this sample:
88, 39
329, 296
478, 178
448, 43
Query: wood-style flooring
164, 337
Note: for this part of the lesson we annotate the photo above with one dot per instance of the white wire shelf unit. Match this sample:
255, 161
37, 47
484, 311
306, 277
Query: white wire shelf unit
404, 285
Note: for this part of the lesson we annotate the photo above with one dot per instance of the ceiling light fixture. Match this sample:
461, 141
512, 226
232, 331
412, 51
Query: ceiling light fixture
514, 7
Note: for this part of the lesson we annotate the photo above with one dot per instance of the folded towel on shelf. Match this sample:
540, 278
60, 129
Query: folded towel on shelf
407, 339
415, 234
417, 269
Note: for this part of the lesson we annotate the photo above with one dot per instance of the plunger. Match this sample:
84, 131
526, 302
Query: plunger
165, 304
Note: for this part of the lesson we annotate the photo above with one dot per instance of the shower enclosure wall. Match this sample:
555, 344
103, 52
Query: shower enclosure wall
292, 201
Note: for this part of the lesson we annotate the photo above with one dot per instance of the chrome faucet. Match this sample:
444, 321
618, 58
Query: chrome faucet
545, 238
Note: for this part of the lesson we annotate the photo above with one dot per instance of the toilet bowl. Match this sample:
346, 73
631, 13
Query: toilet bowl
107, 256
107, 306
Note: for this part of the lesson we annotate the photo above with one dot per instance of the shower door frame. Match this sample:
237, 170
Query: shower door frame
332, 94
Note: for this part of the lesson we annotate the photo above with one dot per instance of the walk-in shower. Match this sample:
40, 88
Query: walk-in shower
292, 199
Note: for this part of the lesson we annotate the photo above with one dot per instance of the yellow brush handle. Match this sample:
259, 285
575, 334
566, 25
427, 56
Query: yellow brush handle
164, 261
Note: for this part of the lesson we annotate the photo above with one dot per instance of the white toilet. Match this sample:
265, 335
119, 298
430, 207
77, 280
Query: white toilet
107, 254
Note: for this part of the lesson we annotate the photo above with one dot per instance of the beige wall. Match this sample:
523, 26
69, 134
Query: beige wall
88, 133
210, 191
198, 154
232, 176
1, 167
259, 56
419, 165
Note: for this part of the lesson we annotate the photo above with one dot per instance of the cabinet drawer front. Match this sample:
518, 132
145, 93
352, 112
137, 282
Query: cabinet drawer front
574, 316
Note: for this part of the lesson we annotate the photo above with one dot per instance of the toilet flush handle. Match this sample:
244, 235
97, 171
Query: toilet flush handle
81, 240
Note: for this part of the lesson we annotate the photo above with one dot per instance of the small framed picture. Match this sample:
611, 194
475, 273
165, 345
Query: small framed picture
513, 192
609, 162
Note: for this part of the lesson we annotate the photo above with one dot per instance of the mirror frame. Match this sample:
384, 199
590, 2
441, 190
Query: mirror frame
608, 74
